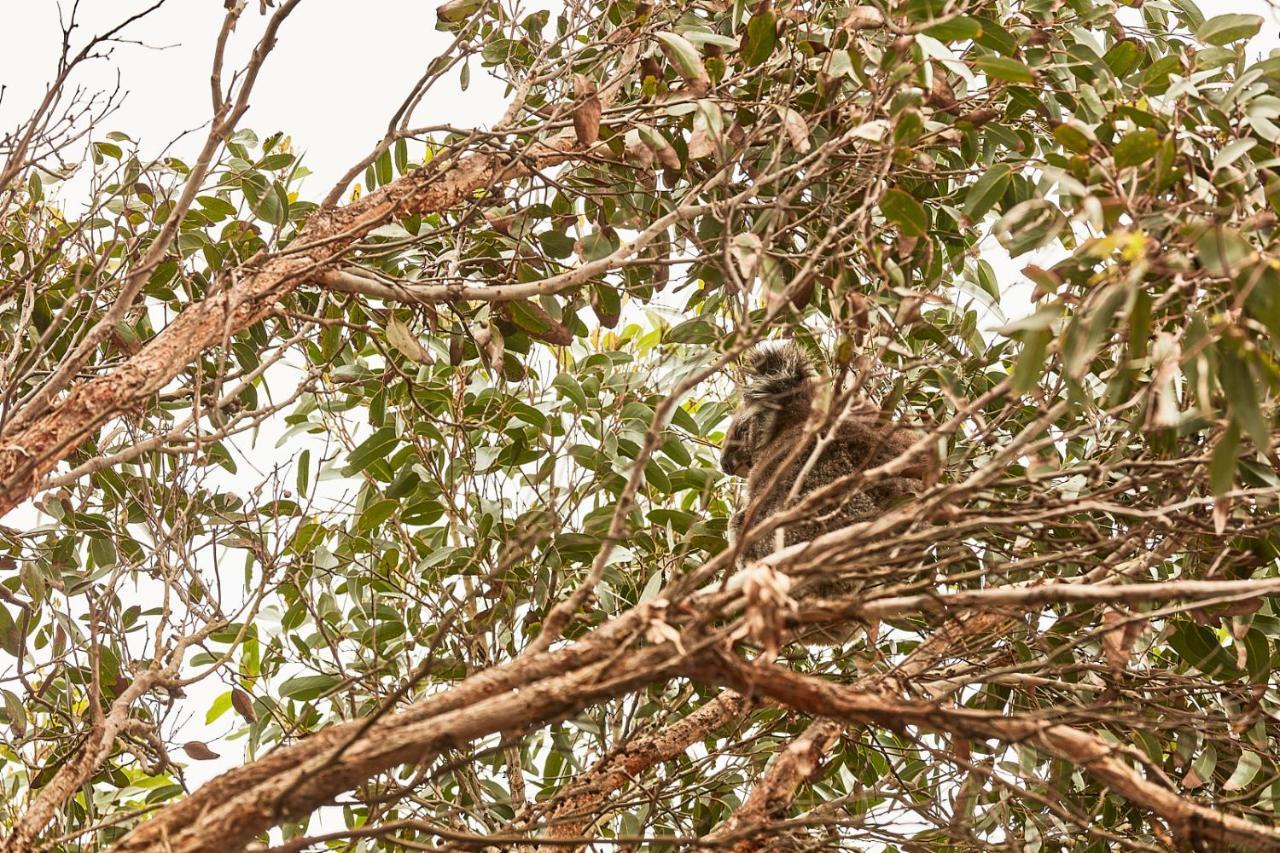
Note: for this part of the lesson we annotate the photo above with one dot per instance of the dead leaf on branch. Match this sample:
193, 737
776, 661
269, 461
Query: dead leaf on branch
199, 751
1118, 641
586, 115
406, 342
768, 605
243, 703
657, 630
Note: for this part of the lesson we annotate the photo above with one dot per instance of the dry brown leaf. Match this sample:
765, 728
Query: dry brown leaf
768, 604
657, 629
586, 115
745, 249
1221, 512
1191, 781
243, 703
941, 95
199, 750
863, 18
797, 129
1117, 643
406, 342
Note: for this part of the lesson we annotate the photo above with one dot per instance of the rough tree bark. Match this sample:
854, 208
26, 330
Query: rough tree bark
1191, 823
799, 762
585, 800
235, 807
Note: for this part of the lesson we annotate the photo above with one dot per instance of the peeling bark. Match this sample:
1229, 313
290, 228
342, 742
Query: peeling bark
797, 764
1112, 765
586, 800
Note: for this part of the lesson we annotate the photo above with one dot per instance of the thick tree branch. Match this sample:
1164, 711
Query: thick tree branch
797, 763
841, 610
293, 780
1192, 823
585, 801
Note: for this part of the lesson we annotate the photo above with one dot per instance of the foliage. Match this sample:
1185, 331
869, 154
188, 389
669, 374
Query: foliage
383, 483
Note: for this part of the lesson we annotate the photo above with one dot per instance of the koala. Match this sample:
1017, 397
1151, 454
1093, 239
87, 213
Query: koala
760, 445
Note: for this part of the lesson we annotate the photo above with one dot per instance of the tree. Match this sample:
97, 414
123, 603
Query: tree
480, 594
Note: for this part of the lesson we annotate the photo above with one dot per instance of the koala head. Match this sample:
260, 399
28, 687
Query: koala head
777, 391
736, 454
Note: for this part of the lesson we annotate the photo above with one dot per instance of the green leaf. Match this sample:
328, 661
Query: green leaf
569, 386
1156, 77
276, 162
1258, 656
1190, 13
994, 36
534, 320
10, 636
376, 513
1233, 151
1224, 251
1124, 57
987, 190
219, 707
556, 244
1004, 68
404, 484
15, 714
1031, 366
1136, 148
1225, 29
217, 209
1029, 225
903, 210
373, 448
303, 688
684, 56
704, 37
1242, 398
1222, 465
693, 331
108, 149
1199, 648
1246, 768
304, 471
1263, 303
761, 39
959, 28
456, 11
1075, 136
103, 551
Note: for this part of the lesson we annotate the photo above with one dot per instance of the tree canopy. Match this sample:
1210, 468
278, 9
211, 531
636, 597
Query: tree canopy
407, 492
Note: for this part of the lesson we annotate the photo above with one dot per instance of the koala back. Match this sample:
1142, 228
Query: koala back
858, 443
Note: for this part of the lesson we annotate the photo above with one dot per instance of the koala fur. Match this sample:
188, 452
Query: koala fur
777, 399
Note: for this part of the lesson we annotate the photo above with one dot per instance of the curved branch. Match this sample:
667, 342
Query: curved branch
290, 782
1191, 822
585, 800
